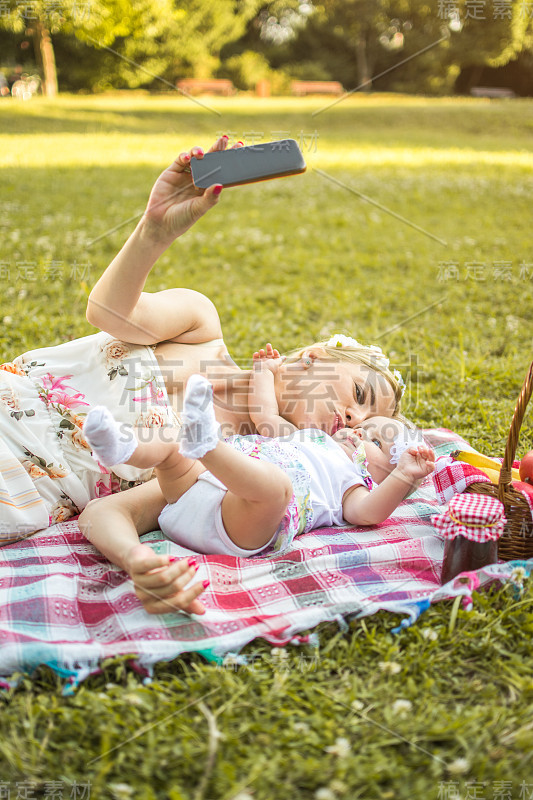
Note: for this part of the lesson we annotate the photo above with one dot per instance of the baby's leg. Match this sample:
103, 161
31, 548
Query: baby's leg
115, 444
257, 498
258, 492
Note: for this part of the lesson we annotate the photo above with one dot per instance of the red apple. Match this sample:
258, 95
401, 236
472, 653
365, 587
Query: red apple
526, 468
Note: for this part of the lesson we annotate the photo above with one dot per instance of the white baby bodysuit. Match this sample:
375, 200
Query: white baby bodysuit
332, 472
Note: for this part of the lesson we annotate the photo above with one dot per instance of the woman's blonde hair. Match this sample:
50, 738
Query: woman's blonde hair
368, 356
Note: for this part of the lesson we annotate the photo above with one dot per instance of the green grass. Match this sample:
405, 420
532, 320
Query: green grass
291, 261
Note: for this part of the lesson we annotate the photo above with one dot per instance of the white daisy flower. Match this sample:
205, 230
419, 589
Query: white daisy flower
121, 791
324, 794
392, 667
234, 661
398, 375
341, 748
517, 575
339, 340
402, 707
459, 766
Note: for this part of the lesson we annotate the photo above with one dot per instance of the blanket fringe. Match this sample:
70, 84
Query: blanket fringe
76, 670
413, 608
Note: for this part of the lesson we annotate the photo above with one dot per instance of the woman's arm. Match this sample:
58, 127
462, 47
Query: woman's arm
117, 303
113, 525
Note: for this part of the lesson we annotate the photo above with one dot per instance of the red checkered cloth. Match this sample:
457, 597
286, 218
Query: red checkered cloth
453, 477
477, 517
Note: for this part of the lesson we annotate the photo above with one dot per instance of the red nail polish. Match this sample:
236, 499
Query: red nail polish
186, 157
205, 583
173, 558
217, 189
240, 142
192, 562
225, 136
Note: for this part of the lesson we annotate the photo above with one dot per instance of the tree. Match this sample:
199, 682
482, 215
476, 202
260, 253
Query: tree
205, 26
492, 37
165, 38
412, 45
95, 22
139, 40
133, 40
38, 18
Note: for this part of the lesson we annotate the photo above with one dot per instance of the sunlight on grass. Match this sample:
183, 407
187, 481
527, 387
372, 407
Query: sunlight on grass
420, 157
113, 149
361, 131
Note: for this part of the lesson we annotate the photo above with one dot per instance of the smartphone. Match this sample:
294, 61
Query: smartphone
258, 162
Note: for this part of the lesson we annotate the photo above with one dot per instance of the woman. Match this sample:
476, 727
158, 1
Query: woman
138, 367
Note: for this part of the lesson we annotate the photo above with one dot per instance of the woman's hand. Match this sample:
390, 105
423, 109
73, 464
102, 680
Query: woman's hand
175, 203
160, 583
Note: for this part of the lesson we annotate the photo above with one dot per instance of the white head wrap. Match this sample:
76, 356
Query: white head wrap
406, 438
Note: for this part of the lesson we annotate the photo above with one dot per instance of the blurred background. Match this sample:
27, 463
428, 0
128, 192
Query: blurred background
410, 229
267, 48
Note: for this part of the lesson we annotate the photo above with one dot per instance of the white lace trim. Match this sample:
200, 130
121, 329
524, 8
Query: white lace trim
407, 438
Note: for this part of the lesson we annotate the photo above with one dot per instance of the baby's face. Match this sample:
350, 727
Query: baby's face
378, 435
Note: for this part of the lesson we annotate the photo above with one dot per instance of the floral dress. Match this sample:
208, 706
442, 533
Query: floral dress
47, 473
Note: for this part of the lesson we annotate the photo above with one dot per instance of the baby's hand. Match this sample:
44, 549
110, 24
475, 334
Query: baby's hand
267, 359
268, 352
417, 462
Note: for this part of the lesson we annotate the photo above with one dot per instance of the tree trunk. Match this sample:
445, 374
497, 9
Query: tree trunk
364, 78
474, 77
44, 52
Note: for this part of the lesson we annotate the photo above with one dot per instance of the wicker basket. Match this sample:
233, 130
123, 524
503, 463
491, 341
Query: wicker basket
517, 539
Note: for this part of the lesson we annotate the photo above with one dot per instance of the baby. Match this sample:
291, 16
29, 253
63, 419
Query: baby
252, 493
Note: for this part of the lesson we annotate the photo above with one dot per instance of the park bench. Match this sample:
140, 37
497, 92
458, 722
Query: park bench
221, 86
301, 88
491, 91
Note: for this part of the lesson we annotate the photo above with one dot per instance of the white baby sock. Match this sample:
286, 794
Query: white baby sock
111, 443
200, 430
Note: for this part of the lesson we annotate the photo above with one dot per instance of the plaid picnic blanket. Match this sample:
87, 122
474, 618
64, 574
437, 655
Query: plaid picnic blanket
64, 604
